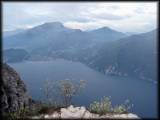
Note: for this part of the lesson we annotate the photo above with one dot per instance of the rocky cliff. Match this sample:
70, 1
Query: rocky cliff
13, 91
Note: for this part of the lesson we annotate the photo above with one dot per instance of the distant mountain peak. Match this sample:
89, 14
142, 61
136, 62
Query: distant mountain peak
48, 26
78, 30
53, 24
106, 28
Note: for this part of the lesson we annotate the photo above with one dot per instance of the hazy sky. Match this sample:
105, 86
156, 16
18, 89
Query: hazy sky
121, 16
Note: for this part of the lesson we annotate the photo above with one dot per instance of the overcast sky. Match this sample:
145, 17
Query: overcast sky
121, 16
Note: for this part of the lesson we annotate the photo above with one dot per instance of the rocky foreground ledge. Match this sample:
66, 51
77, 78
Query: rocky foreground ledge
81, 112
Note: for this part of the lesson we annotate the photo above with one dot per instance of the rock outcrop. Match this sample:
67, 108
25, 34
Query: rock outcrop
81, 112
13, 91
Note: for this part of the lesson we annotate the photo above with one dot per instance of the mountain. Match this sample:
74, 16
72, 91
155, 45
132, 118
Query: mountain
135, 55
15, 55
47, 34
52, 40
106, 34
140, 51
12, 32
55, 33
132, 33
103, 49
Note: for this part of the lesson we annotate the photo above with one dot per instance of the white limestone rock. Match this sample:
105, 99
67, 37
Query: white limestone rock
81, 112
72, 112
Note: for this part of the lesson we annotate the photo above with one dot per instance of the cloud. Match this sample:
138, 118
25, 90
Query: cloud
108, 16
122, 16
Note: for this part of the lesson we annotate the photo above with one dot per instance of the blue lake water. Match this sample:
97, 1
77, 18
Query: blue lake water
142, 94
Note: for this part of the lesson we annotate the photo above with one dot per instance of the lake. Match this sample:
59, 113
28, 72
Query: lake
141, 93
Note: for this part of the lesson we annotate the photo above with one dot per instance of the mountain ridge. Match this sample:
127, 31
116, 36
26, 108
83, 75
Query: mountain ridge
98, 48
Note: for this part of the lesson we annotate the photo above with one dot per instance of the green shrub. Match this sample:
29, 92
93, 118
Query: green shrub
102, 107
120, 109
21, 113
48, 108
34, 110
105, 106
123, 108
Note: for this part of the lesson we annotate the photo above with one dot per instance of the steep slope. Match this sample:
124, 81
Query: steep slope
135, 55
13, 91
139, 57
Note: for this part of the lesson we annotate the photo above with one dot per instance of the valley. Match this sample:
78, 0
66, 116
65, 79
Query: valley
104, 49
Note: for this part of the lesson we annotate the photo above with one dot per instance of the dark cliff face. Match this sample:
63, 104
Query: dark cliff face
13, 91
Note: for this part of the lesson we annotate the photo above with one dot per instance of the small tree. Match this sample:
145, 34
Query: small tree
48, 90
68, 89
